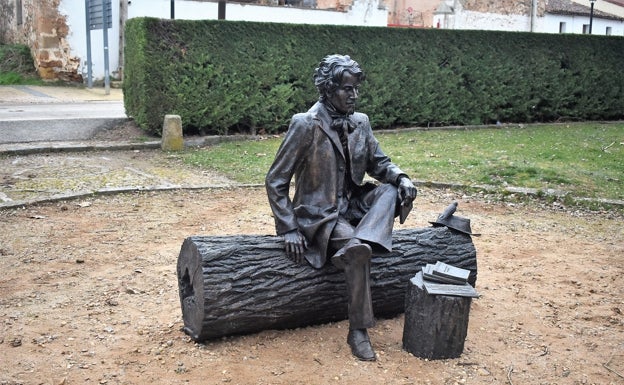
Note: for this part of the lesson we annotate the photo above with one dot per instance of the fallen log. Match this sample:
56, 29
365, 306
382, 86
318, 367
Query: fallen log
244, 284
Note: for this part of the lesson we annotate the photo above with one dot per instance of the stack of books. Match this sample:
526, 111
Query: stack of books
443, 279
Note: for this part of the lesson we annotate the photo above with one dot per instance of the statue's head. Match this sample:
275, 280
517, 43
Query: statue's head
329, 74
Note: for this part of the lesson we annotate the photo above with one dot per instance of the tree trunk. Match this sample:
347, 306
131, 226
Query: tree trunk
245, 284
435, 325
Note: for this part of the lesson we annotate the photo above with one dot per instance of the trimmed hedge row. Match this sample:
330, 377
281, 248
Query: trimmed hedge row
224, 76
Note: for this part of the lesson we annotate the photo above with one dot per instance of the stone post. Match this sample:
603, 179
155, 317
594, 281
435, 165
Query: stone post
172, 139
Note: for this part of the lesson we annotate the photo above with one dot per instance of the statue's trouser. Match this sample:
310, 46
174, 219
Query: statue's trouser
375, 229
357, 276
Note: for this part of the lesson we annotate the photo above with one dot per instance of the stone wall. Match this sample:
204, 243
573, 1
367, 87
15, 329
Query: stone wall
504, 7
338, 5
7, 21
44, 29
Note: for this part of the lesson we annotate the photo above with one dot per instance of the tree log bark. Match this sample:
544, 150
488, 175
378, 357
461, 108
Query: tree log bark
435, 325
245, 284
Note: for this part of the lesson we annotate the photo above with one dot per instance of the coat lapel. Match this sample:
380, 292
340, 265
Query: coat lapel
323, 116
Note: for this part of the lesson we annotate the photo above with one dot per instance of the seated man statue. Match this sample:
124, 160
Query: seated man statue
333, 213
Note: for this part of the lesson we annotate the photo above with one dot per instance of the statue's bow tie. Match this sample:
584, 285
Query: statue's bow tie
343, 123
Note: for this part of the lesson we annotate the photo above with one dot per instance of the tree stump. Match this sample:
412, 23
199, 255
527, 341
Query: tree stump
435, 325
244, 284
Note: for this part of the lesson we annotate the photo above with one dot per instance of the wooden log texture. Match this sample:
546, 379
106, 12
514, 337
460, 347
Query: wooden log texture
435, 325
244, 284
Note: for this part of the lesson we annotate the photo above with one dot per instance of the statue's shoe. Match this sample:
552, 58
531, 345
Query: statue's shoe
360, 345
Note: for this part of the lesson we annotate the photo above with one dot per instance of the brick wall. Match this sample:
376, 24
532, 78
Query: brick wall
44, 30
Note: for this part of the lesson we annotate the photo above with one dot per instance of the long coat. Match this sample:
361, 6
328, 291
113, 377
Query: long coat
312, 153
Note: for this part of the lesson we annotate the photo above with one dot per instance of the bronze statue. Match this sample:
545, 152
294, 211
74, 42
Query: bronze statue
333, 212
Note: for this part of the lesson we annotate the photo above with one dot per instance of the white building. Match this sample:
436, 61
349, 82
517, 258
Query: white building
363, 12
613, 7
545, 16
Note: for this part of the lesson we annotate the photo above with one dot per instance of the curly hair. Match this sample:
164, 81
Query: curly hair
328, 75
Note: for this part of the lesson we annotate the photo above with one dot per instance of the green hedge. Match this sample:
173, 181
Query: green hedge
224, 76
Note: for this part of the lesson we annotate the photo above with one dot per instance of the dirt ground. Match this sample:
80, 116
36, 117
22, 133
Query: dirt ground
89, 295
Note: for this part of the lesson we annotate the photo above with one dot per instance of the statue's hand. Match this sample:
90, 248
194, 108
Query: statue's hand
295, 244
407, 190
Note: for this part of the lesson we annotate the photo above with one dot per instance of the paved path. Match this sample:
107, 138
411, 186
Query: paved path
49, 94
62, 110
47, 151
34, 178
39, 113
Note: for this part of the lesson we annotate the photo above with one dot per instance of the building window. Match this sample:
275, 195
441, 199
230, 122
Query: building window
18, 12
562, 27
608, 31
585, 29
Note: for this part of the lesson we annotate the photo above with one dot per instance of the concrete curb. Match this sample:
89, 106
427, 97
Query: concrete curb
530, 192
75, 129
436, 185
55, 147
118, 190
30, 148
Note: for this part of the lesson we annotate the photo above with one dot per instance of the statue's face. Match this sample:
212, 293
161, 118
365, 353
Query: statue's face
343, 99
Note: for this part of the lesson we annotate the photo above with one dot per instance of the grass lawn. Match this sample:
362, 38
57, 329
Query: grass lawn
582, 159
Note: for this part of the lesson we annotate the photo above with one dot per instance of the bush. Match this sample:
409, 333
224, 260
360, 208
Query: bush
224, 76
16, 65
